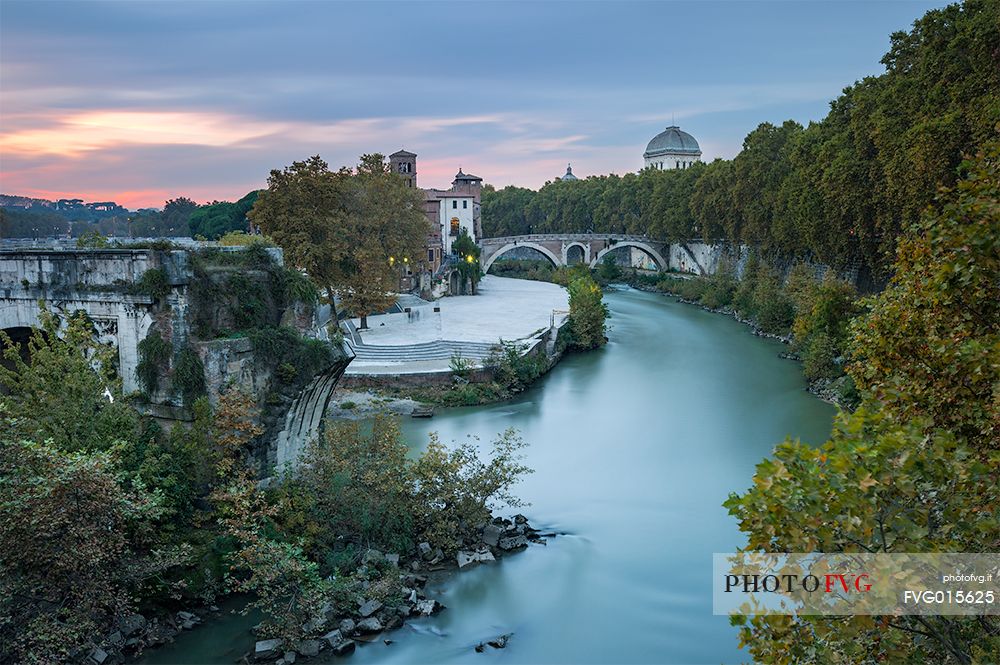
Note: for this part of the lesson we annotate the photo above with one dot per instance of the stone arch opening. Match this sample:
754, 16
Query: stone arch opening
575, 253
658, 261
524, 251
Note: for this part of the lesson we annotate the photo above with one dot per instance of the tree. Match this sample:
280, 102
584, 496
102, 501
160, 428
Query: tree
176, 216
218, 218
468, 259
930, 344
914, 469
346, 229
368, 288
65, 556
587, 313
55, 394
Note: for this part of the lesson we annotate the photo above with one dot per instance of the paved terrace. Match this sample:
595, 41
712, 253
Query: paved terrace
424, 340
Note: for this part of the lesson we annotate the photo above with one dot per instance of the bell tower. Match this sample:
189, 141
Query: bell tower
404, 164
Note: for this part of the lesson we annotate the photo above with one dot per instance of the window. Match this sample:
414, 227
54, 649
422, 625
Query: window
430, 256
454, 226
465, 204
454, 205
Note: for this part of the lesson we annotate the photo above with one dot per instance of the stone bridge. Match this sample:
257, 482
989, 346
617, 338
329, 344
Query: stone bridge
691, 256
108, 285
570, 248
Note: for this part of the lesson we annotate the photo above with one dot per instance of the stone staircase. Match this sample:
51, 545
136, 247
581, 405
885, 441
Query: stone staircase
437, 350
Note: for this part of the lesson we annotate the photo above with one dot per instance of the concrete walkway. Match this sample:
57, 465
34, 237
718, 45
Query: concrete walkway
423, 340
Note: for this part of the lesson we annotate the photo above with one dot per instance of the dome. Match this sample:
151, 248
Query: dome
672, 141
569, 174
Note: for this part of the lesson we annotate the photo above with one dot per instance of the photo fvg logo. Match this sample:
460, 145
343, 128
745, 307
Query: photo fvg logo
829, 583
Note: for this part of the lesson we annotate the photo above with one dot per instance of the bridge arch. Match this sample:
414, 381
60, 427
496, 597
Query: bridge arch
556, 262
661, 263
584, 252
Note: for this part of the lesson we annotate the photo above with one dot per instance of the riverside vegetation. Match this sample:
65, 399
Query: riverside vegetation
108, 524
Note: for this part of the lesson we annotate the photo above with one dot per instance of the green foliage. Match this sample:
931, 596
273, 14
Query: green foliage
189, 375
608, 270
281, 345
220, 218
349, 230
915, 468
771, 306
467, 251
512, 369
456, 490
93, 240
154, 283
154, 354
720, 288
460, 366
587, 314
819, 358
66, 557
930, 344
54, 393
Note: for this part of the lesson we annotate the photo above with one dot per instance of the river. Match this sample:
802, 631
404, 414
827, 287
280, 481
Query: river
634, 447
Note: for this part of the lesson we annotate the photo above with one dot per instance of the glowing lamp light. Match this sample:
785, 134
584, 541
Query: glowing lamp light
470, 258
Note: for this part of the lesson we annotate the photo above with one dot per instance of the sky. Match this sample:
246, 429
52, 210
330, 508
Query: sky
139, 102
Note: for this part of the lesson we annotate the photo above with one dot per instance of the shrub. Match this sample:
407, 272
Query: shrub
154, 283
189, 375
819, 359
587, 313
154, 352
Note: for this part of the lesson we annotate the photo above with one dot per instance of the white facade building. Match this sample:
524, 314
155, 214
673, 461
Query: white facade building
457, 212
672, 149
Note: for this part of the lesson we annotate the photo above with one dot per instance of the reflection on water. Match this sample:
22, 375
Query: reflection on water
635, 448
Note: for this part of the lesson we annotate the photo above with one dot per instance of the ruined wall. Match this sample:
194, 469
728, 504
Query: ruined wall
207, 310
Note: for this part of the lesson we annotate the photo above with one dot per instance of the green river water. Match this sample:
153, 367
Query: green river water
634, 447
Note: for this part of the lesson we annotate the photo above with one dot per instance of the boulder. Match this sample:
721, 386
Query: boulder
428, 607
467, 558
520, 519
500, 642
394, 622
289, 657
333, 638
116, 638
491, 534
438, 556
309, 648
185, 616
132, 624
370, 625
392, 559
369, 608
99, 655
344, 648
347, 627
512, 542
266, 649
426, 552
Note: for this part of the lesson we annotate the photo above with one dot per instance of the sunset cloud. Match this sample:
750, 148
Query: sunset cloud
139, 102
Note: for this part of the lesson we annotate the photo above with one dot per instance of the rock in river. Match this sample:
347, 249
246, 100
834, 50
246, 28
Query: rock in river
266, 649
370, 625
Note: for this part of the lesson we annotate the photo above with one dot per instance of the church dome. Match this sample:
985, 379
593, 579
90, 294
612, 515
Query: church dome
672, 141
569, 173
